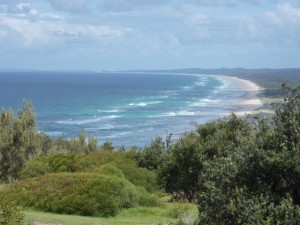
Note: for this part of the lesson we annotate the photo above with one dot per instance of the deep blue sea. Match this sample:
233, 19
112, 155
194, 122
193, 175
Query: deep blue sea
124, 108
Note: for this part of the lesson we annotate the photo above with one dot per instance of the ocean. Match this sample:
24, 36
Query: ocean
123, 108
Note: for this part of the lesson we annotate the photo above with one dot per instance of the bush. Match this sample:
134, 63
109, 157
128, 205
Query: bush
151, 156
138, 176
146, 199
77, 193
35, 168
110, 170
10, 214
110, 163
184, 163
178, 210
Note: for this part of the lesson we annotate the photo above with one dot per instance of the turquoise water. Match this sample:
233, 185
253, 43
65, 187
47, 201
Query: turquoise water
124, 108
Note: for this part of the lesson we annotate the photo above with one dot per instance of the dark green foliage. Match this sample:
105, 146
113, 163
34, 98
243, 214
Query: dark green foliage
237, 174
151, 156
10, 214
179, 173
107, 146
284, 213
274, 165
287, 121
257, 184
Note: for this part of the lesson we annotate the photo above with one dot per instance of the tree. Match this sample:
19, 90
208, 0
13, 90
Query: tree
18, 141
258, 183
82, 144
151, 156
180, 172
273, 165
287, 120
107, 146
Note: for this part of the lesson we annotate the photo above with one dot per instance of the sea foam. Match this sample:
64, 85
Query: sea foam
143, 104
86, 121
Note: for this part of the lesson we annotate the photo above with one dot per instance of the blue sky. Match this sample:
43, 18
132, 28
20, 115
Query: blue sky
149, 34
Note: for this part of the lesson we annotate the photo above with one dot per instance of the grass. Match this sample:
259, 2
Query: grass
133, 216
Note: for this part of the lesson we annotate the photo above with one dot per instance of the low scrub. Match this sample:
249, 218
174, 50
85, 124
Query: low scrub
78, 193
120, 164
10, 214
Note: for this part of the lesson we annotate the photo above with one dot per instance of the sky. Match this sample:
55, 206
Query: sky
149, 34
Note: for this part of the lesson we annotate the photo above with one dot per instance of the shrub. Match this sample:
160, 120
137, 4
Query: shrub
78, 193
110, 170
35, 168
146, 199
10, 214
151, 156
178, 210
136, 175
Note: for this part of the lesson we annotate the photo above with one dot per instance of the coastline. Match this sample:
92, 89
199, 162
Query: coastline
250, 103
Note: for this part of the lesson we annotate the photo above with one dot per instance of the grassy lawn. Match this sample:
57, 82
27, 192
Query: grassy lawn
172, 212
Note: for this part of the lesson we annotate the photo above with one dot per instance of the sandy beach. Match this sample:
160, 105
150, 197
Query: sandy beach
251, 102
248, 104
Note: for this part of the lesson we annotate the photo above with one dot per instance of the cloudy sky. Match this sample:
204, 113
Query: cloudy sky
149, 34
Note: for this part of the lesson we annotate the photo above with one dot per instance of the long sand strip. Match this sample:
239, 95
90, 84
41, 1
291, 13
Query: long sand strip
250, 102
247, 105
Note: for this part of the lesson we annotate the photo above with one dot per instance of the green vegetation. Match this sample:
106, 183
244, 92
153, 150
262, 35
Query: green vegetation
168, 214
238, 174
235, 172
11, 214
185, 161
18, 141
78, 193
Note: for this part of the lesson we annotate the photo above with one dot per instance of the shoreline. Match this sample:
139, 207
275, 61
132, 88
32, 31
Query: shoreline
250, 103
247, 105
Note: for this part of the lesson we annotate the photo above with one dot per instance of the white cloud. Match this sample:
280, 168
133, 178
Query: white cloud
15, 7
288, 11
283, 25
23, 7
218, 27
23, 31
157, 30
30, 33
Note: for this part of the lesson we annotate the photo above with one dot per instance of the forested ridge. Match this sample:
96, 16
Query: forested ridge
236, 172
